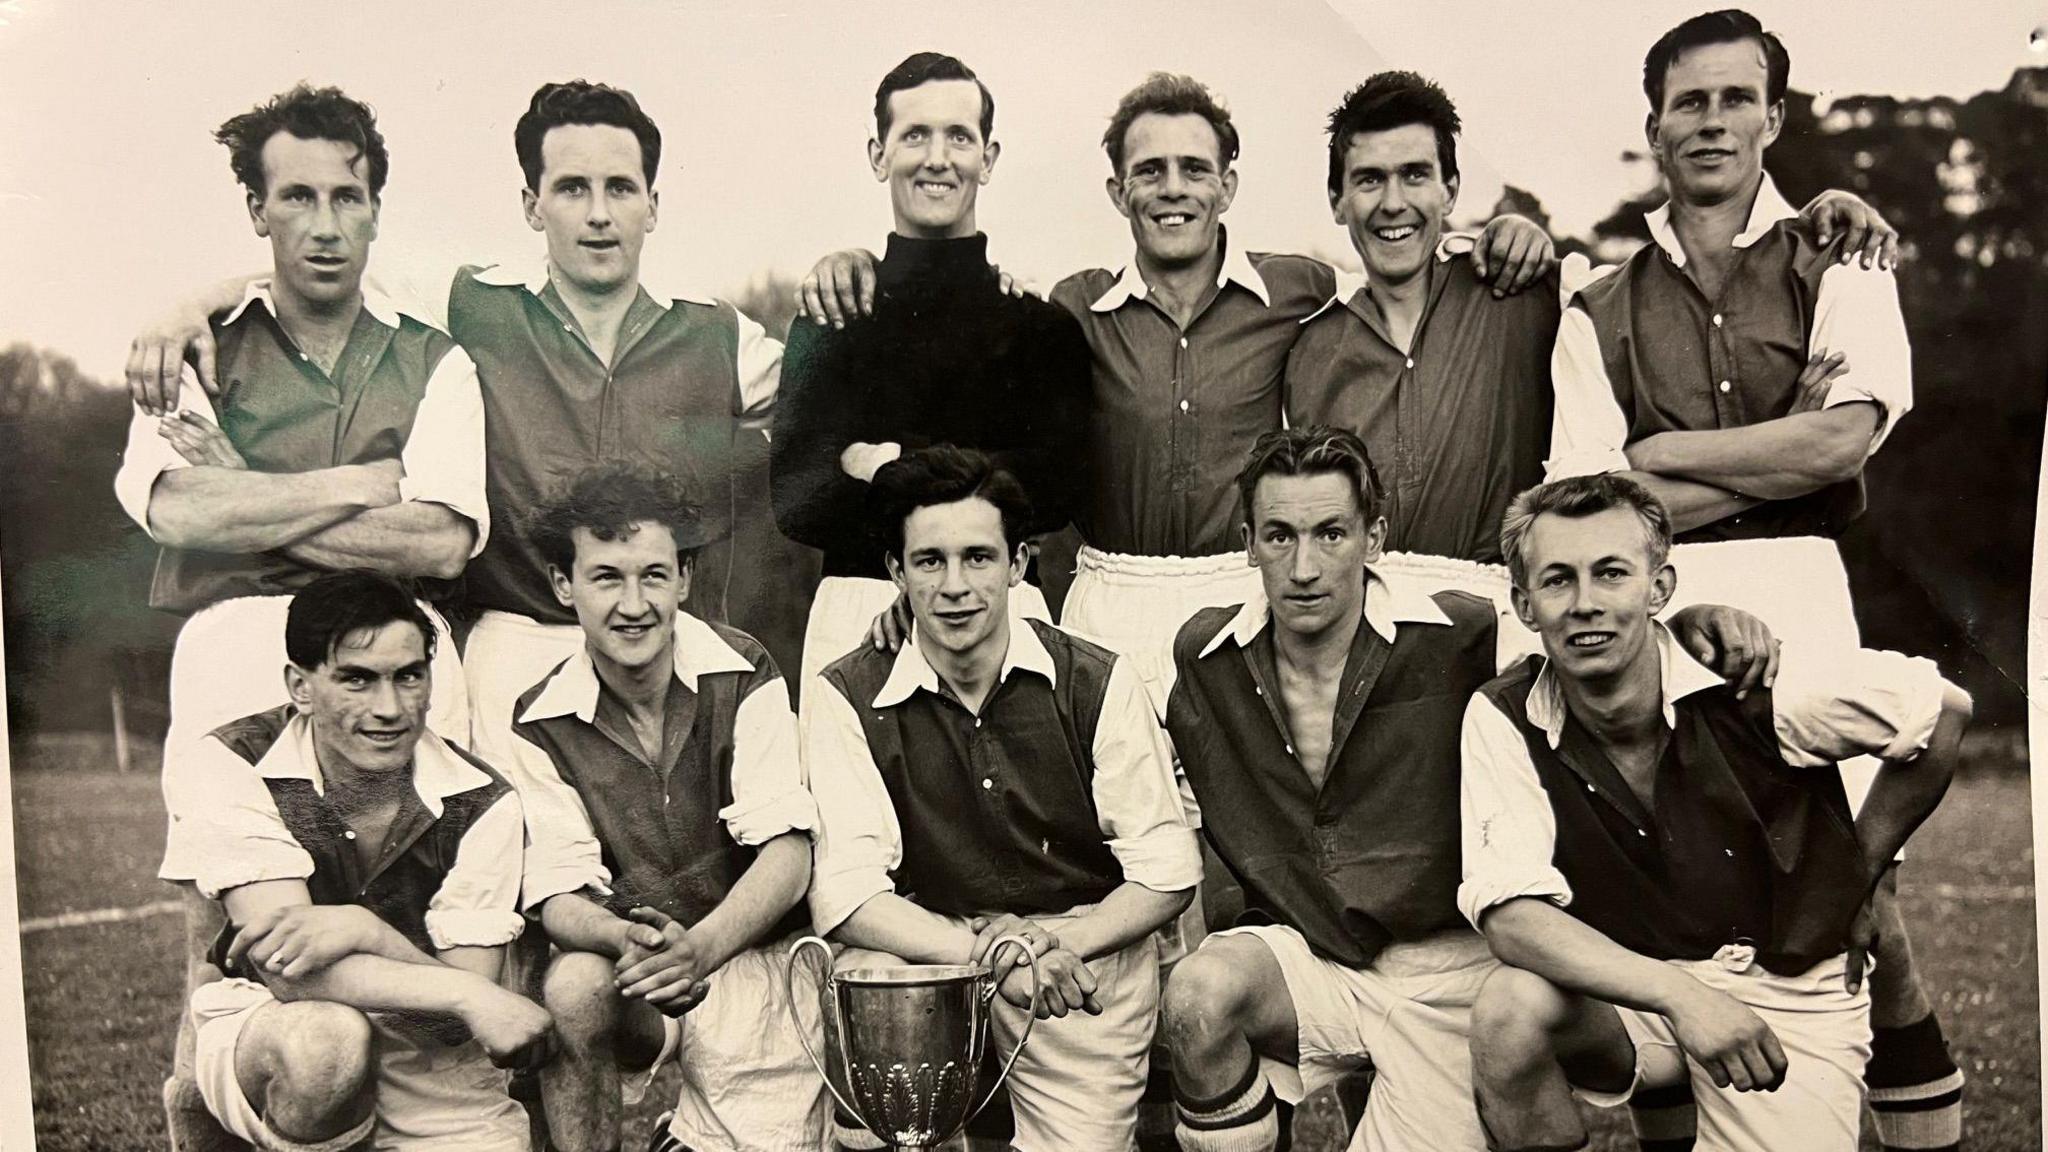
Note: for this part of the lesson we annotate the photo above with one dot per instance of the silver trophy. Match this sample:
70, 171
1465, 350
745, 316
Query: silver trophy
910, 1040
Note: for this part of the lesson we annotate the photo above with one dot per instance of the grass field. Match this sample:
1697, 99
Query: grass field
102, 998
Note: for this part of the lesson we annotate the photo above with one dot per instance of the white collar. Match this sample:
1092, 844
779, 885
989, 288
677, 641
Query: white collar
1237, 266
437, 771
912, 671
1389, 601
1680, 676
532, 274
1350, 284
382, 308
573, 689
1769, 209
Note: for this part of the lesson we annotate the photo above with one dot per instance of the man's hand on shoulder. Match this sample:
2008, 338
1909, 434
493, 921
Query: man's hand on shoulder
1865, 234
838, 288
1736, 645
1513, 252
156, 359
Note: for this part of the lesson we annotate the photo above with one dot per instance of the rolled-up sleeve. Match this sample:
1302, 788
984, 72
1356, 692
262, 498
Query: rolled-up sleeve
1857, 314
1508, 831
760, 371
562, 853
477, 904
1138, 802
768, 793
148, 455
1828, 707
858, 842
443, 457
1588, 432
225, 830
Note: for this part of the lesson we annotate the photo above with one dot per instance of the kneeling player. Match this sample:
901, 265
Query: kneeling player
666, 814
1671, 870
370, 875
1000, 775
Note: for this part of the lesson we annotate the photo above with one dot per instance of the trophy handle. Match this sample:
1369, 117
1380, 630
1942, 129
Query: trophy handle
829, 1005
1030, 1017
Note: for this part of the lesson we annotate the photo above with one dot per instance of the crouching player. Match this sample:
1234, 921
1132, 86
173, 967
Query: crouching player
667, 854
1670, 870
1000, 775
370, 875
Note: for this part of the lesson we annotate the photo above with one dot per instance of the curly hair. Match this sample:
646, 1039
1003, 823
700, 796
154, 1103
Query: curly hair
1312, 451
1169, 94
582, 102
325, 613
926, 68
1393, 100
608, 501
310, 114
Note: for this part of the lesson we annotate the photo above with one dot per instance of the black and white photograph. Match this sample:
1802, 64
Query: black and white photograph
787, 577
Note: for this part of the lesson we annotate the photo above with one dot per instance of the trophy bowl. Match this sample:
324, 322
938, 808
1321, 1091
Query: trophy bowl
908, 1041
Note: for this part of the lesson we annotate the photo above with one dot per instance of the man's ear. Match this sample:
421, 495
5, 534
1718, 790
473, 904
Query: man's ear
298, 685
1774, 122
1229, 190
1115, 187
1375, 539
1244, 533
559, 581
1650, 133
1451, 197
894, 564
875, 161
653, 209
1663, 586
529, 202
993, 149
1524, 611
256, 216
686, 568
1020, 561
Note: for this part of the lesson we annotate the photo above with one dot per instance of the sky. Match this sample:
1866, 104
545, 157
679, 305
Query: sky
114, 200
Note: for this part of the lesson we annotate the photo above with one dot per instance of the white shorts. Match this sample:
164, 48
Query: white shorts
1135, 605
1077, 1085
1826, 1036
1796, 585
506, 655
746, 1084
1409, 1015
846, 606
229, 663
428, 1096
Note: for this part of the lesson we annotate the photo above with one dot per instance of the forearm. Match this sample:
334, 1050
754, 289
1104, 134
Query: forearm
238, 510
410, 538
578, 924
1123, 917
1774, 460
380, 984
1690, 503
488, 963
889, 923
767, 890
1537, 936
1906, 793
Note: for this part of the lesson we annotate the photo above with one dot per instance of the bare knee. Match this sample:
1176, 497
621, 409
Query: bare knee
320, 1064
578, 992
1208, 995
1517, 1016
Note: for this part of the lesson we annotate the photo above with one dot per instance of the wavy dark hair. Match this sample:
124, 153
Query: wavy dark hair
582, 102
328, 611
1393, 100
1170, 94
609, 499
310, 114
943, 474
1312, 451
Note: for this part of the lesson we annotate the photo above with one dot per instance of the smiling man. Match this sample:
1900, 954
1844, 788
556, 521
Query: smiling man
1670, 868
946, 358
1745, 372
369, 871
667, 858
1000, 775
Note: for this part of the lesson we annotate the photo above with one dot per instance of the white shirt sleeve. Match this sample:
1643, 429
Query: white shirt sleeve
1588, 432
1508, 831
1857, 314
858, 842
443, 458
225, 830
562, 853
477, 904
1138, 802
768, 793
149, 455
1828, 707
760, 370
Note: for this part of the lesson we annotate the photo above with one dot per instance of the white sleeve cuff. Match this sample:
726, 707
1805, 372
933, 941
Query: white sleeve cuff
793, 811
472, 928
1481, 891
840, 894
214, 877
1166, 859
543, 883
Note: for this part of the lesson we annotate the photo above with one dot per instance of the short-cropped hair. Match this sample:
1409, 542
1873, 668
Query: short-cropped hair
944, 474
1724, 27
582, 102
923, 68
1389, 100
607, 500
1576, 497
1312, 451
1170, 94
310, 114
324, 614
